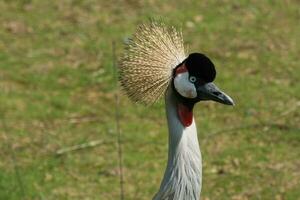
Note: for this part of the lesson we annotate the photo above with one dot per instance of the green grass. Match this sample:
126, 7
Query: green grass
57, 90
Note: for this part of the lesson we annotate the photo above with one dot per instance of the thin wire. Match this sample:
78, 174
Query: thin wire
117, 118
14, 160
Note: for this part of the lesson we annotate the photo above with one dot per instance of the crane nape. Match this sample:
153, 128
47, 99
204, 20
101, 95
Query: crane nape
155, 64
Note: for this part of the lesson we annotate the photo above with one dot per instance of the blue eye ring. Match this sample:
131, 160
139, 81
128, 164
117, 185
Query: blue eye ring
193, 79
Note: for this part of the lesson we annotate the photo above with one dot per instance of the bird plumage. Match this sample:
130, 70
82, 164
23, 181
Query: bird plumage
154, 64
182, 178
149, 59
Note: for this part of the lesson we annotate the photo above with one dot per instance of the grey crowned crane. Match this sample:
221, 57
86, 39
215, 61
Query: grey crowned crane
155, 64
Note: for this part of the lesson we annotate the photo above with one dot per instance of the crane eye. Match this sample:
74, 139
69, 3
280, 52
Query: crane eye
193, 79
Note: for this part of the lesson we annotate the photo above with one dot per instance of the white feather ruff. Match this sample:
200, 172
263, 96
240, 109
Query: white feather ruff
146, 67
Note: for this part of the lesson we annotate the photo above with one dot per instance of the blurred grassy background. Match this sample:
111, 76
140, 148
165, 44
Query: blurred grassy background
57, 90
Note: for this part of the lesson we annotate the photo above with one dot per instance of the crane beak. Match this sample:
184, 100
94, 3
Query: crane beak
209, 91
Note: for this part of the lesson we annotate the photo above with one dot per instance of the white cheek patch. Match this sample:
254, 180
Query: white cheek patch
184, 87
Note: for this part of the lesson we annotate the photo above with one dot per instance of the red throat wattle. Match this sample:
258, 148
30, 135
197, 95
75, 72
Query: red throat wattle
185, 114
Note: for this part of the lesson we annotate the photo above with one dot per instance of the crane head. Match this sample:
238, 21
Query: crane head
193, 81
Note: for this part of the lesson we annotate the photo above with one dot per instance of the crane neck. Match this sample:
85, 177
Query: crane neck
182, 178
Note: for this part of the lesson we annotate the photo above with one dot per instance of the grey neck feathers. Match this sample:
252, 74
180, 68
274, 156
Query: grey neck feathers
182, 178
